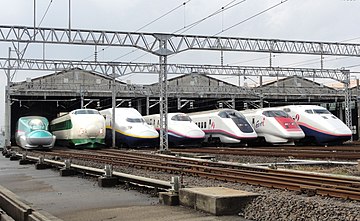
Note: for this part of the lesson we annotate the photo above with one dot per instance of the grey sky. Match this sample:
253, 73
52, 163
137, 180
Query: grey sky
320, 20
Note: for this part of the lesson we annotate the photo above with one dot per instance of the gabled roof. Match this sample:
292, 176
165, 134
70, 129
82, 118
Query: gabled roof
201, 78
295, 81
67, 74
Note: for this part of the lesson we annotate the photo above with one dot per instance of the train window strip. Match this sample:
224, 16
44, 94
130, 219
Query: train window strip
64, 125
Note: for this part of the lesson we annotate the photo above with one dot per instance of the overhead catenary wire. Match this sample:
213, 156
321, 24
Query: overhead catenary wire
144, 26
190, 26
21, 54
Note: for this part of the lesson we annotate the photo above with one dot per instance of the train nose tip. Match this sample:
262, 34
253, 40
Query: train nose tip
149, 133
195, 133
93, 130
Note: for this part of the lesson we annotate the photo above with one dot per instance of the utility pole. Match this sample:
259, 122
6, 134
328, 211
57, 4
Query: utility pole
8, 106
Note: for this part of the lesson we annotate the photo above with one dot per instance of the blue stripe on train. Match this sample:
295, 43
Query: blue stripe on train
121, 140
322, 138
179, 140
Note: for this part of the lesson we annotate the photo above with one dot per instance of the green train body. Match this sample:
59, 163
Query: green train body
32, 133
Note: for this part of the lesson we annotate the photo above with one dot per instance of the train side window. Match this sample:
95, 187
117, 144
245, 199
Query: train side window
253, 121
210, 122
204, 124
309, 111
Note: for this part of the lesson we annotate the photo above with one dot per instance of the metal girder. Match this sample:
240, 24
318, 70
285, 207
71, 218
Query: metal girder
348, 117
123, 68
175, 43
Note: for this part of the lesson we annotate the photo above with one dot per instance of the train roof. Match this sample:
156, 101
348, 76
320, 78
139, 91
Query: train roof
247, 111
169, 114
210, 111
304, 107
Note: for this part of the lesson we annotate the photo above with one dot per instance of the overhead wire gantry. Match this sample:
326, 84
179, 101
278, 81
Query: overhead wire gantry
163, 45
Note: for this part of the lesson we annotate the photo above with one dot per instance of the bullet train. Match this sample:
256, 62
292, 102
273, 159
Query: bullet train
319, 125
224, 126
81, 128
131, 130
182, 131
274, 126
32, 133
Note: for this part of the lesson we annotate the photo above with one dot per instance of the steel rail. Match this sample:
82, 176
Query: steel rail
274, 152
292, 182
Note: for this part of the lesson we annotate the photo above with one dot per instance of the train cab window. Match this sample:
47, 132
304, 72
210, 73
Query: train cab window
321, 111
309, 111
287, 110
181, 117
223, 114
135, 120
36, 124
276, 113
86, 111
230, 114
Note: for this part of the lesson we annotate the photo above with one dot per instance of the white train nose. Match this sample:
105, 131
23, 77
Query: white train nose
93, 130
195, 134
147, 133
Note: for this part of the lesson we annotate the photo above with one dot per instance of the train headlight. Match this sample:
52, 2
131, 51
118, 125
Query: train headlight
101, 131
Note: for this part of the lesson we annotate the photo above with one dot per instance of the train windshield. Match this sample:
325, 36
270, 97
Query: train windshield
37, 124
276, 113
135, 120
231, 114
181, 117
321, 111
86, 111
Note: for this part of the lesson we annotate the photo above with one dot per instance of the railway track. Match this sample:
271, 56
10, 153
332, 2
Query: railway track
346, 152
342, 187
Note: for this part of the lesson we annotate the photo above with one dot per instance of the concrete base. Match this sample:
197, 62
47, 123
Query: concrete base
169, 198
67, 172
13, 206
107, 181
24, 162
5, 217
215, 200
14, 158
41, 166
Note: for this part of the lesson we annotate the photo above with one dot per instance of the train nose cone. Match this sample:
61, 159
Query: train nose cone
149, 133
195, 134
92, 130
39, 137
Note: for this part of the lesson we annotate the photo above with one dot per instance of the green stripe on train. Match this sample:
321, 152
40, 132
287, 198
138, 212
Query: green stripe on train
89, 142
64, 125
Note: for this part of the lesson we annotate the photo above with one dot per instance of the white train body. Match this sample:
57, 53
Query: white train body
318, 124
224, 125
182, 131
131, 130
84, 128
274, 125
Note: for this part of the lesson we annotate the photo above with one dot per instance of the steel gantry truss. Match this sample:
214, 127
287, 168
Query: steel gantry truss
125, 68
163, 45
175, 43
